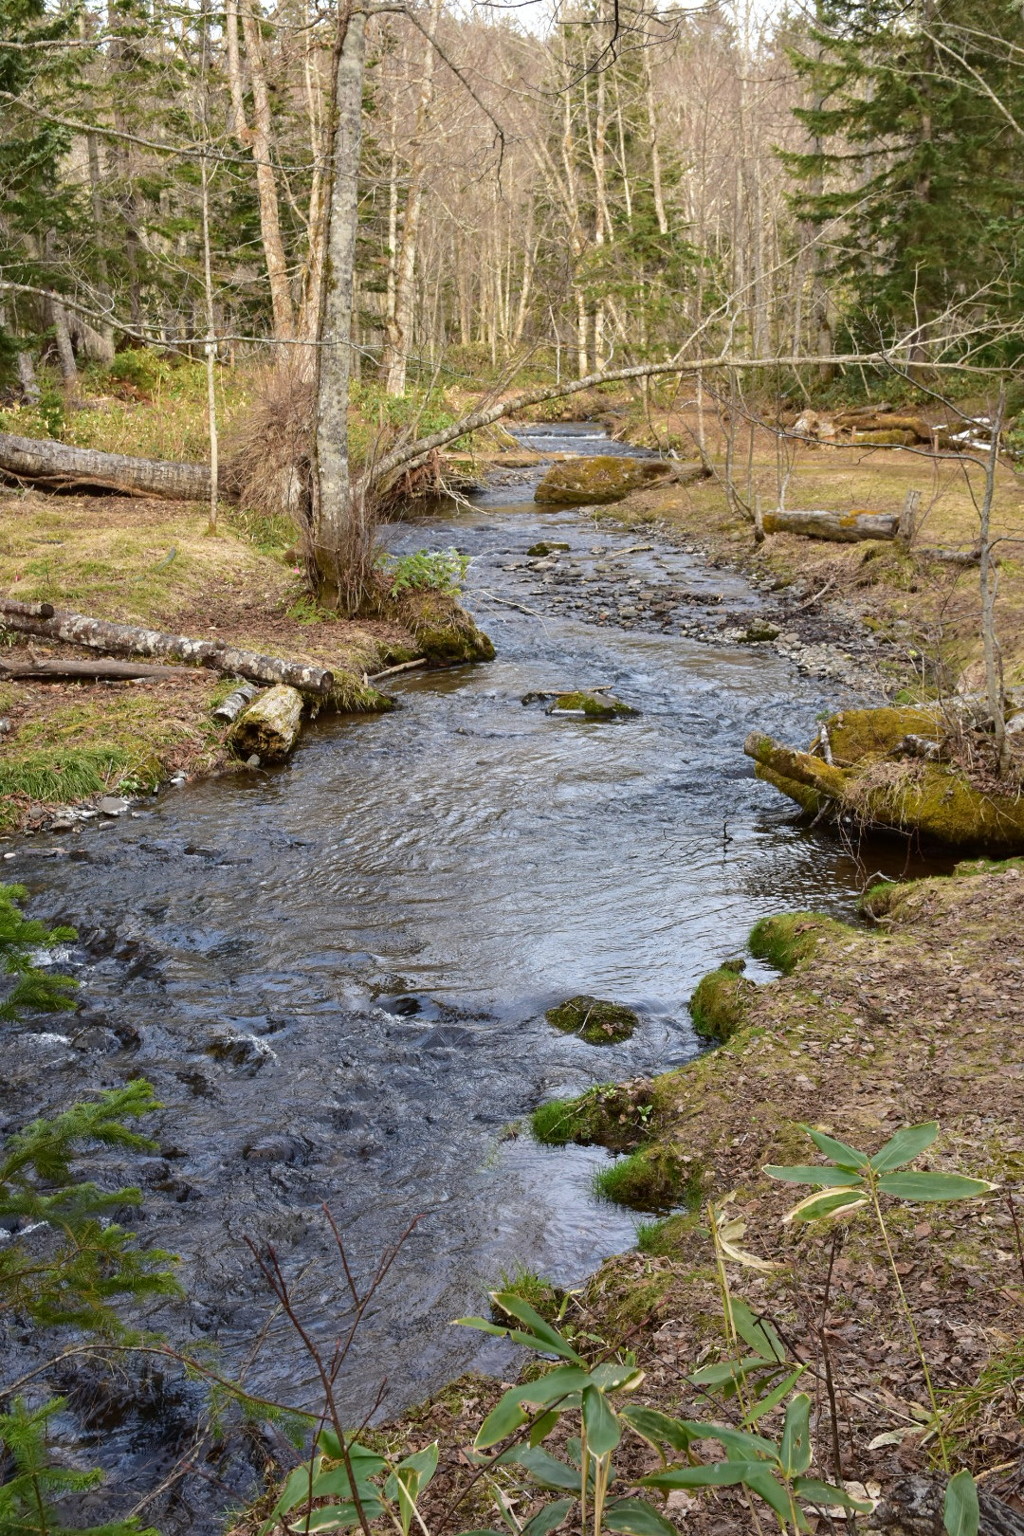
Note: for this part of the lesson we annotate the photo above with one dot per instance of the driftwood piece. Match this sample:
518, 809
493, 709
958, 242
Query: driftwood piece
839, 527
231, 707
269, 728
134, 640
60, 467
89, 671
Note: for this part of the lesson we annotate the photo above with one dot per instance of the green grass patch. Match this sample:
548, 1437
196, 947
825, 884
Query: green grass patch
530, 1287
653, 1179
667, 1237
610, 1115
59, 775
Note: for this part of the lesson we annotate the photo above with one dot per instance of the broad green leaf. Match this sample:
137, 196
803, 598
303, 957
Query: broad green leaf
842, 1155
796, 1436
737, 1442
760, 1481
913, 1185
811, 1173
960, 1515
336, 1482
905, 1146
551, 1339
657, 1428
411, 1475
359, 1455
296, 1487
543, 1427
756, 1331
546, 1519
816, 1492
330, 1516
727, 1371
423, 1463
775, 1397
603, 1429
508, 1414
842, 1202
635, 1517
614, 1376
546, 1470
714, 1474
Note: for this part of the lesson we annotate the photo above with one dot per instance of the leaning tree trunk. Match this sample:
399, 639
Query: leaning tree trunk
340, 538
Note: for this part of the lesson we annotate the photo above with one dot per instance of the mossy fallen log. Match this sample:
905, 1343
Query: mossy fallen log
270, 727
879, 778
838, 527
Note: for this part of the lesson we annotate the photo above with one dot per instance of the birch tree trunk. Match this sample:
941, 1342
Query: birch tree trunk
266, 183
394, 363
341, 537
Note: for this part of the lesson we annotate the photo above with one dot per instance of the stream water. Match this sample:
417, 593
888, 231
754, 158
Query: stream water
335, 973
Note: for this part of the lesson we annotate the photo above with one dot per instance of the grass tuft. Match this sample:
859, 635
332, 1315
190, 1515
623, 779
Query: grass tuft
653, 1179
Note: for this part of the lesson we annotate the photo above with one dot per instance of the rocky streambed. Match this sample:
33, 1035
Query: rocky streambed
336, 973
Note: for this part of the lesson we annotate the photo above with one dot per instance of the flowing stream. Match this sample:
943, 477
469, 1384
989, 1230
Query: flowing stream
335, 973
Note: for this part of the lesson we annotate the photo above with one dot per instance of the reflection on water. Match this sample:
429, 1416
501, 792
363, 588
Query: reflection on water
386, 919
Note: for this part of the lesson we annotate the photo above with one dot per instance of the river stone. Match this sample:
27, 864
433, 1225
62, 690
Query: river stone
112, 805
591, 706
586, 482
238, 1048
594, 1019
544, 548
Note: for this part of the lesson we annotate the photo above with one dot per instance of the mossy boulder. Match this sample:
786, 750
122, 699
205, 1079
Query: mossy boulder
720, 1002
546, 548
594, 1019
592, 706
595, 481
879, 778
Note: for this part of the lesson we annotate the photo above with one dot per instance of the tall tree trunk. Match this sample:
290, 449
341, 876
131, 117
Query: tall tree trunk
341, 537
309, 309
399, 337
266, 181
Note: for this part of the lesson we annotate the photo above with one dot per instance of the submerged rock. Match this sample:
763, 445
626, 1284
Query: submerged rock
544, 548
591, 706
596, 481
879, 767
594, 1019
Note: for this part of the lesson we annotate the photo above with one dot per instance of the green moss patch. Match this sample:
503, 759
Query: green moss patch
594, 706
653, 1179
789, 938
445, 634
720, 1002
545, 548
594, 1019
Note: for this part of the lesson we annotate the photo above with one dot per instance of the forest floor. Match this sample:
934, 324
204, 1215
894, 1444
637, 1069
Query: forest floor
916, 1017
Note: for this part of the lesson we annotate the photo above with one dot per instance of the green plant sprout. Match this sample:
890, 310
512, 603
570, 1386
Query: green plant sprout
439, 570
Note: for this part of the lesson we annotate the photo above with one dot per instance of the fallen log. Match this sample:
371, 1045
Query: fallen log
231, 707
57, 466
134, 640
90, 671
839, 527
269, 728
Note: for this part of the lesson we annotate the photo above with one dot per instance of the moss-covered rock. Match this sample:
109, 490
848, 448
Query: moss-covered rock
445, 634
719, 1004
594, 1019
545, 548
595, 481
613, 1115
593, 706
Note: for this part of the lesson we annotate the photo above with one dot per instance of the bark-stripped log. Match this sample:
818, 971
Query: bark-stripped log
88, 671
231, 707
60, 467
133, 640
269, 728
839, 527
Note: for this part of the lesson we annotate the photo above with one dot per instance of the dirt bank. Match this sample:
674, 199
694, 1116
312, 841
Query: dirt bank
917, 1017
